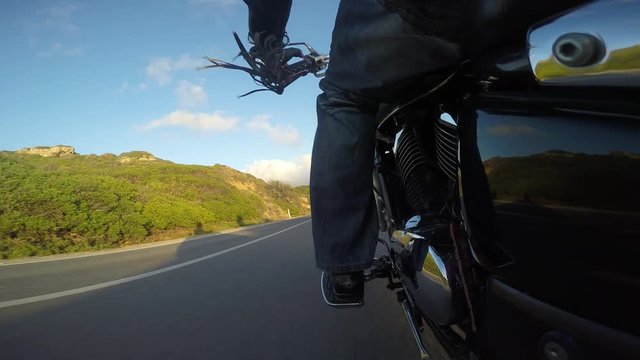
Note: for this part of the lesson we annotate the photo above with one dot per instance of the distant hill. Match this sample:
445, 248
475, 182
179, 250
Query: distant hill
56, 201
607, 181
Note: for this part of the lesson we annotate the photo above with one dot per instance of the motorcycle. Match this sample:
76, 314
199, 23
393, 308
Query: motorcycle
508, 192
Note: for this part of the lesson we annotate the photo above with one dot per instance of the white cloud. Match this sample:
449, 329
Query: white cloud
50, 20
186, 62
161, 69
284, 135
124, 87
59, 17
143, 86
59, 49
55, 24
289, 172
215, 121
190, 95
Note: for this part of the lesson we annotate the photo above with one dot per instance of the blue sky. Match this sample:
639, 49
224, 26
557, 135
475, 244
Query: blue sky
116, 76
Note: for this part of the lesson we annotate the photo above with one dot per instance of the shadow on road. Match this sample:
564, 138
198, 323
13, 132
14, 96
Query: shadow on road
257, 301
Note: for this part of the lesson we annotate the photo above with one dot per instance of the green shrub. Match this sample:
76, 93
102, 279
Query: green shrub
79, 203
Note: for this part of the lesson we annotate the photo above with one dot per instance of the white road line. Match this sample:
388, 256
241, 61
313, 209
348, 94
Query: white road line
5, 304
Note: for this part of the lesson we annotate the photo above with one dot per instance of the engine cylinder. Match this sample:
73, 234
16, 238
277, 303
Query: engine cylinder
427, 158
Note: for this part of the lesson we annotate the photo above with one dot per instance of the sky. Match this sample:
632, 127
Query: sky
118, 76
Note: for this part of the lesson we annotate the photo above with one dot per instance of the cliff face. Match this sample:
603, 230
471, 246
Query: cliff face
49, 151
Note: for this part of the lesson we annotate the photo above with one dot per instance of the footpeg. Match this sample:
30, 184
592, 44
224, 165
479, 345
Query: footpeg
380, 269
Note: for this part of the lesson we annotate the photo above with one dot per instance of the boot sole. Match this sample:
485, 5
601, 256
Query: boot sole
336, 305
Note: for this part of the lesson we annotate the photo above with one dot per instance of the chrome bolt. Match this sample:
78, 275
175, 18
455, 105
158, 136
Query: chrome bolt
578, 49
555, 351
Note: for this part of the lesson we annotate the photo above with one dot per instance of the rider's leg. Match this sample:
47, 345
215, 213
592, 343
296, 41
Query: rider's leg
375, 55
345, 225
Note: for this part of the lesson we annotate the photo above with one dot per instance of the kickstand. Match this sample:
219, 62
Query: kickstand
382, 268
415, 330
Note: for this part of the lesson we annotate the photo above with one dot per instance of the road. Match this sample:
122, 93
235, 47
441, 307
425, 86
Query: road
248, 294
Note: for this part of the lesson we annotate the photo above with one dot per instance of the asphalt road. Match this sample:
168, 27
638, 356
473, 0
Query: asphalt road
250, 294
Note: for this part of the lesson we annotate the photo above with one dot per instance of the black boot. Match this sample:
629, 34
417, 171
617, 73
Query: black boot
343, 289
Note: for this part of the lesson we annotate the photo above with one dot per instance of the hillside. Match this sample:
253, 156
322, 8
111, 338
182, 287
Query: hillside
563, 178
59, 201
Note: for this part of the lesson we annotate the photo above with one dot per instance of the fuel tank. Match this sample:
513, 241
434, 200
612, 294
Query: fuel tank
552, 177
550, 173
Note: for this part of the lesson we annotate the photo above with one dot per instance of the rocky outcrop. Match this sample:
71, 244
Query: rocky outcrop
49, 151
136, 155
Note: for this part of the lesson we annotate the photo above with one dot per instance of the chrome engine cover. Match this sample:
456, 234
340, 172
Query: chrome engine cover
428, 269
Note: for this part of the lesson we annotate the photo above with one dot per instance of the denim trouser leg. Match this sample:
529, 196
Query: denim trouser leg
375, 55
345, 226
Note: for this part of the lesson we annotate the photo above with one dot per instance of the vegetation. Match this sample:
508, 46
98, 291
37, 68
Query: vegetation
77, 203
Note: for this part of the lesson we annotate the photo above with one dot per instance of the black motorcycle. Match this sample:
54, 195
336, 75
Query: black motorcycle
509, 190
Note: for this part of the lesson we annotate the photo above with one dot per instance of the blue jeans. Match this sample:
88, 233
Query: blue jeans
375, 57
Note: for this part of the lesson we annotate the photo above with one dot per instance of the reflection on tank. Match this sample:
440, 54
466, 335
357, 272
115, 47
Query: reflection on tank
594, 45
625, 60
557, 189
434, 267
562, 178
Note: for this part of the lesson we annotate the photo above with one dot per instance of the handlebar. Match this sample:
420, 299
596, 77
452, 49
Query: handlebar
277, 75
311, 64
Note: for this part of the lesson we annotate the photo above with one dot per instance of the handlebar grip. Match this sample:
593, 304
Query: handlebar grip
309, 64
302, 67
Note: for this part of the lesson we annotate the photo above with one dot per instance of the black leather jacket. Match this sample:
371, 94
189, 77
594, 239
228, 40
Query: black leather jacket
269, 16
490, 21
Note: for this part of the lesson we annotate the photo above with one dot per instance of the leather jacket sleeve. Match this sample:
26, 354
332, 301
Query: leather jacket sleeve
269, 16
